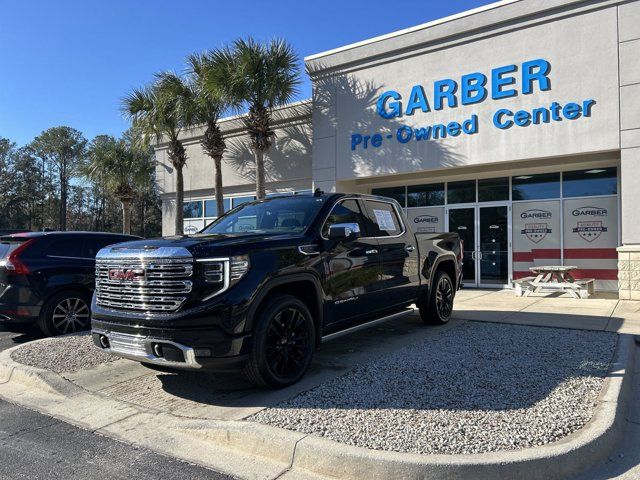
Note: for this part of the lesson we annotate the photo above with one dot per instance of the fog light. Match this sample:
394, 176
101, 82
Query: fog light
157, 349
104, 341
203, 352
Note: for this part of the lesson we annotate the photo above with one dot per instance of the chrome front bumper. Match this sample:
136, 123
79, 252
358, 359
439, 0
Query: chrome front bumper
140, 349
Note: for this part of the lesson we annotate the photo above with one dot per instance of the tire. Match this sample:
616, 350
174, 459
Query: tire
283, 342
440, 306
53, 319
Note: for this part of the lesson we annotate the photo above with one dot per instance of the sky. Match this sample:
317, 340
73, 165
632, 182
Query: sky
69, 62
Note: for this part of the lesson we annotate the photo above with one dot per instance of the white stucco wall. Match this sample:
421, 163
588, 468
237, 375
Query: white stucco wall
582, 51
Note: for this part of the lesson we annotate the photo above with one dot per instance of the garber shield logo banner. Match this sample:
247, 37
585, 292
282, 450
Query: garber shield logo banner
590, 230
536, 232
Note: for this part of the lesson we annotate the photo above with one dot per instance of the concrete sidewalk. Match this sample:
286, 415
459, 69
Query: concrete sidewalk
603, 311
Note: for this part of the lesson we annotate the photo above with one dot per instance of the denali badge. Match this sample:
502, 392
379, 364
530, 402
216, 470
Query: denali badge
126, 274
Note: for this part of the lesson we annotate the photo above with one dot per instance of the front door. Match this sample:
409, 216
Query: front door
354, 282
493, 246
463, 222
485, 231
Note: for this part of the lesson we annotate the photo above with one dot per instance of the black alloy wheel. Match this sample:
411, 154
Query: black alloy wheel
437, 309
283, 343
444, 297
287, 344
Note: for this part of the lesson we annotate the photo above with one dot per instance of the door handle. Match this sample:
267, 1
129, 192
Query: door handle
409, 248
373, 251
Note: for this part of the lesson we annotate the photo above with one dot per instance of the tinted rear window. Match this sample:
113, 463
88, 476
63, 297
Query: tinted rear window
8, 246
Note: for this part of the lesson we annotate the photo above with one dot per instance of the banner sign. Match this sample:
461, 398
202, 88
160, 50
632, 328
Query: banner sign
426, 219
499, 83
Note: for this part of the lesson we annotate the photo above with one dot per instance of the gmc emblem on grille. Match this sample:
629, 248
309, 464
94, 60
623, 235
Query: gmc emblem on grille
126, 274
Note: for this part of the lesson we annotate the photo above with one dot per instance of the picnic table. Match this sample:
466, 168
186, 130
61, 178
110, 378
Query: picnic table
556, 278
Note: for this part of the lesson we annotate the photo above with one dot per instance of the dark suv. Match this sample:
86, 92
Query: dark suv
47, 278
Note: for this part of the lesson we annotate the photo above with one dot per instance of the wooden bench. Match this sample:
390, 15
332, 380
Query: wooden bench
523, 286
587, 285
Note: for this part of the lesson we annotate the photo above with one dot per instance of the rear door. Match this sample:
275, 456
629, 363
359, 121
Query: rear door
398, 250
353, 282
65, 262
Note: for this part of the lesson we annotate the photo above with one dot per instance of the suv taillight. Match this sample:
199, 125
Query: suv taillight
13, 264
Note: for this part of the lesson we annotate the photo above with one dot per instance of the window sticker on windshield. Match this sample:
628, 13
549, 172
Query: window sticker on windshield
384, 219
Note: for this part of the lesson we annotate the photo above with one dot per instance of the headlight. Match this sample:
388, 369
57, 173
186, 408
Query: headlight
221, 274
238, 267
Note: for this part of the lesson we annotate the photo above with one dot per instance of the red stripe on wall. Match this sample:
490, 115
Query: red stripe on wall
598, 274
591, 253
536, 253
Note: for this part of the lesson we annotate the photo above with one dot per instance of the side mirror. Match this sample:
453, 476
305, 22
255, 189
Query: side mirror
344, 231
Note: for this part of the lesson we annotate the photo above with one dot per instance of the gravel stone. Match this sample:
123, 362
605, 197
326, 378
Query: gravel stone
476, 388
69, 353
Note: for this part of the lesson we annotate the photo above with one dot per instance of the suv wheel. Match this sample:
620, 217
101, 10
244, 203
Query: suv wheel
440, 306
65, 312
283, 343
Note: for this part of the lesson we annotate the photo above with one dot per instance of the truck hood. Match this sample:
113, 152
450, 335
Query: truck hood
196, 245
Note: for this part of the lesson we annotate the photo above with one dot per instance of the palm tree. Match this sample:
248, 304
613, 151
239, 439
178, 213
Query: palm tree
262, 76
162, 110
209, 77
121, 168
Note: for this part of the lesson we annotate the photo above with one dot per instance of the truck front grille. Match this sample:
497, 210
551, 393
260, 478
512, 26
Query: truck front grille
161, 285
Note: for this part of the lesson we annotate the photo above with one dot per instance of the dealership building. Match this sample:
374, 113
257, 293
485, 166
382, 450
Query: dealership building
516, 125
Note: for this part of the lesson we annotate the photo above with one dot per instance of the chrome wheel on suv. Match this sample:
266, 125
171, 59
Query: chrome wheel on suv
70, 315
65, 312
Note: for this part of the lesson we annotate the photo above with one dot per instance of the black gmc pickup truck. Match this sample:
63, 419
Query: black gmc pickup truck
264, 285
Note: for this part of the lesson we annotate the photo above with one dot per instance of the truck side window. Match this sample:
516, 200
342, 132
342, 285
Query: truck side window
382, 219
347, 211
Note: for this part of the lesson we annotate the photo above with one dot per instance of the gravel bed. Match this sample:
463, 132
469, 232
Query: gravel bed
476, 388
68, 353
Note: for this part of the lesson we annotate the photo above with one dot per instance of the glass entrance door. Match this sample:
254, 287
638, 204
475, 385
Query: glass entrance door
463, 222
485, 231
493, 243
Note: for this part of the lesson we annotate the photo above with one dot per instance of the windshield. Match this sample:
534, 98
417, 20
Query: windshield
278, 215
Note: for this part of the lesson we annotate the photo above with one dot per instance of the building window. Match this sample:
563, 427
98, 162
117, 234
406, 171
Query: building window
237, 201
493, 189
211, 209
588, 183
536, 187
461, 192
192, 209
397, 193
425, 195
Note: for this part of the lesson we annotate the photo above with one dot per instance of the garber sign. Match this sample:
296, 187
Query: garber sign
469, 89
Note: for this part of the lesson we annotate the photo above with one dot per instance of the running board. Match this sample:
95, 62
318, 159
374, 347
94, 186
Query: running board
372, 323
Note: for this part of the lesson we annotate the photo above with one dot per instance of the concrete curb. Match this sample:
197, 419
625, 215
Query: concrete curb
252, 450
